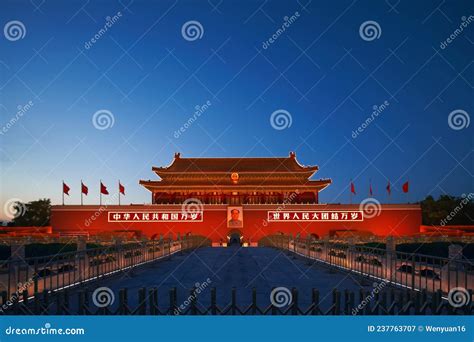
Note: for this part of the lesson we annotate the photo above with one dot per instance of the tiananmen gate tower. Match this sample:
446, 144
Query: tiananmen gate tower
228, 199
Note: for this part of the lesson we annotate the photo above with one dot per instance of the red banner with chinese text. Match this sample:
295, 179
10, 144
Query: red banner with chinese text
154, 216
323, 216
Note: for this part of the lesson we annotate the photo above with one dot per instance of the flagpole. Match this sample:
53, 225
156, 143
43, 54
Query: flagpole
389, 191
81, 191
63, 191
119, 190
100, 193
350, 193
408, 182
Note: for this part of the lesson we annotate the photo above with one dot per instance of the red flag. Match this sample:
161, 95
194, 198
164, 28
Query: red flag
405, 187
388, 188
103, 189
370, 190
121, 189
84, 189
66, 189
353, 190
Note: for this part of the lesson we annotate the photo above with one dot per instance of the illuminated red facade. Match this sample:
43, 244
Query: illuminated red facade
244, 197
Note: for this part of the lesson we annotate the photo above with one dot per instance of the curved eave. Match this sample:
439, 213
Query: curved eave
162, 172
308, 168
170, 169
324, 182
318, 185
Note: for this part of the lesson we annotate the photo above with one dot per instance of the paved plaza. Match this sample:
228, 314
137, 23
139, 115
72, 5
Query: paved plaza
225, 268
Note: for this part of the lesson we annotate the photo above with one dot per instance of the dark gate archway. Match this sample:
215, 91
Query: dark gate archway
235, 237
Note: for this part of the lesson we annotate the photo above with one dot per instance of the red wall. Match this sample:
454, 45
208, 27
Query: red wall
393, 219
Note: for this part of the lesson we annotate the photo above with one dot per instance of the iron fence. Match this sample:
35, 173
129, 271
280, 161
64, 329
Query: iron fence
65, 270
42, 285
406, 270
390, 302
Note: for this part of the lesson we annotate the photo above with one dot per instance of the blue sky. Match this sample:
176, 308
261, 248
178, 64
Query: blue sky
319, 69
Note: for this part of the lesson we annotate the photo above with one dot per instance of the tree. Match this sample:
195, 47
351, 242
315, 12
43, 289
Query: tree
34, 213
459, 210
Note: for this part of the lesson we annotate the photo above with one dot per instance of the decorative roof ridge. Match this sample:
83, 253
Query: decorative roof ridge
292, 156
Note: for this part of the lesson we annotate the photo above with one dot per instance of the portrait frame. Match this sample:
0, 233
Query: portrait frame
233, 221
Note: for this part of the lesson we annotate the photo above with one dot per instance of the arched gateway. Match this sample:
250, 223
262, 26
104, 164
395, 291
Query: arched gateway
235, 237
255, 197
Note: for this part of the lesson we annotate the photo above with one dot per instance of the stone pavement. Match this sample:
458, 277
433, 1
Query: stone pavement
242, 268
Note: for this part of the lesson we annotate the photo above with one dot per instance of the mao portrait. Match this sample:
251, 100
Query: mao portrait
234, 217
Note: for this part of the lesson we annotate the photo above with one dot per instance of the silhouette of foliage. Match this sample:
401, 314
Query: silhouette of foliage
33, 214
460, 210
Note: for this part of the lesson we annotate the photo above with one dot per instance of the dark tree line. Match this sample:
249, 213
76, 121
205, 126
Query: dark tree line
34, 213
460, 210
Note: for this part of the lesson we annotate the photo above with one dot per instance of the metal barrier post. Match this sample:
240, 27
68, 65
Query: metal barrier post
455, 267
17, 257
390, 259
119, 253
350, 253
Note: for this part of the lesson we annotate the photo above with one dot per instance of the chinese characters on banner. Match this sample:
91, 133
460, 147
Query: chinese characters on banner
282, 216
155, 216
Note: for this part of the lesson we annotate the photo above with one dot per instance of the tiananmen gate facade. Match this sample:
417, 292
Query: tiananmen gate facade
236, 198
